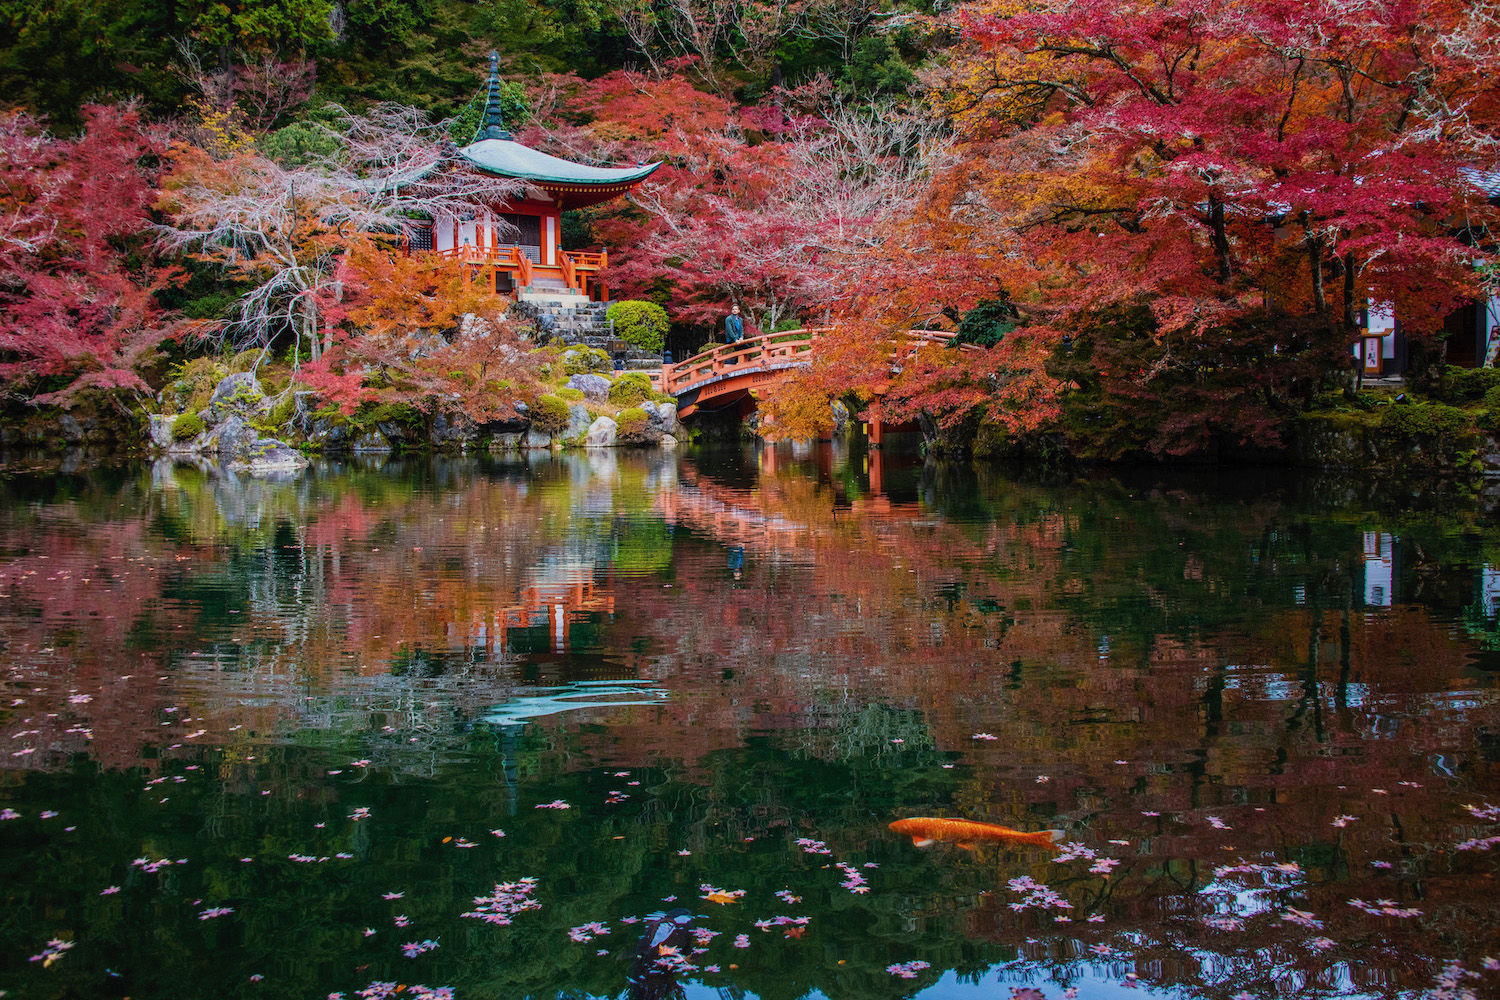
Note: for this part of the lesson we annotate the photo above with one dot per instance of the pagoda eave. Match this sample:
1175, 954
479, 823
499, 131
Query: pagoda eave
571, 196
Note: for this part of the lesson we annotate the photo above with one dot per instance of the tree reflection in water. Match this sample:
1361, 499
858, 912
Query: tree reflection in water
1265, 720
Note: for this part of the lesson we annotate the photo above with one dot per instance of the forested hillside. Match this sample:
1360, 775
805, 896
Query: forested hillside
1158, 225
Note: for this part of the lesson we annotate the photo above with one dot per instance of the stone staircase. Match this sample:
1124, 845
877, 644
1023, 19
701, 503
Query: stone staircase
576, 321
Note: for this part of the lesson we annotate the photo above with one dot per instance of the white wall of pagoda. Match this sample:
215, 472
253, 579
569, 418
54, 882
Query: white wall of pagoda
486, 230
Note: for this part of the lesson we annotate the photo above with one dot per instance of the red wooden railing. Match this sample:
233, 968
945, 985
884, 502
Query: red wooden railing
766, 352
580, 269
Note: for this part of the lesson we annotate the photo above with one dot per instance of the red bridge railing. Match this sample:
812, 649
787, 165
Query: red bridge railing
766, 352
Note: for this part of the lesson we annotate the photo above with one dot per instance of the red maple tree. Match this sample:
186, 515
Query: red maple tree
77, 280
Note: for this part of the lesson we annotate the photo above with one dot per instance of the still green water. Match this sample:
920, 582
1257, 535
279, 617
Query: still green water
299, 739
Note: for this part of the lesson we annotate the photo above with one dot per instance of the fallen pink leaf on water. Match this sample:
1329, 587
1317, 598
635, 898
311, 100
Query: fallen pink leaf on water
1302, 918
908, 970
52, 952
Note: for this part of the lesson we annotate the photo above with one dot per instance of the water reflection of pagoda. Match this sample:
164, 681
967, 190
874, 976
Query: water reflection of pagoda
559, 593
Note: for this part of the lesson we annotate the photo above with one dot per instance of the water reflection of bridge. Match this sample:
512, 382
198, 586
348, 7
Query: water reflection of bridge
739, 517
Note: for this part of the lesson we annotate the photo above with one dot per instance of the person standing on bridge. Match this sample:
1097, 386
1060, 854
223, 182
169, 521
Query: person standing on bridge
734, 326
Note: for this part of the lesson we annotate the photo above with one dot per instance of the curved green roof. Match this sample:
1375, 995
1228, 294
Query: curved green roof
508, 158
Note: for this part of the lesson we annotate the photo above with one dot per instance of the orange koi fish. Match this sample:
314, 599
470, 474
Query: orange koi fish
924, 830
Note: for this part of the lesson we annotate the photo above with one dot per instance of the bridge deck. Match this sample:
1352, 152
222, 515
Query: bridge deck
726, 374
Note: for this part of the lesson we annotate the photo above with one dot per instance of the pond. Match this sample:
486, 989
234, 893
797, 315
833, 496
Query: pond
638, 725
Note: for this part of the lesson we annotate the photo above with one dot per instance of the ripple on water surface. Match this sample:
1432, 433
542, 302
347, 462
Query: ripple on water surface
628, 724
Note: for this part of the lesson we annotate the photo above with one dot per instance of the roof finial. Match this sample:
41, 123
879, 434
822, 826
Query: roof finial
493, 125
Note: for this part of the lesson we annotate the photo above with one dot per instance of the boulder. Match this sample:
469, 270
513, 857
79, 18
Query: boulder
371, 442
595, 387
396, 433
239, 393
669, 420
453, 429
654, 414
70, 428
232, 438
161, 430
508, 441
536, 439
601, 433
668, 441
579, 421
329, 435
268, 456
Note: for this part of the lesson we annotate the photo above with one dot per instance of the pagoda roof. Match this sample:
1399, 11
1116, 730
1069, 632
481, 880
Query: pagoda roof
508, 158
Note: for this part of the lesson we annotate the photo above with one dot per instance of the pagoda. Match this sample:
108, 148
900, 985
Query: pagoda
516, 244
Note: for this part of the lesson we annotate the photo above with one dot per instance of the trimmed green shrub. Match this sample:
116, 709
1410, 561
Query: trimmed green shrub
643, 324
1429, 419
571, 395
630, 388
631, 424
550, 414
188, 425
1465, 385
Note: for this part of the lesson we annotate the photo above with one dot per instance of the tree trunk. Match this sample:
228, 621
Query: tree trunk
1220, 237
310, 327
1315, 267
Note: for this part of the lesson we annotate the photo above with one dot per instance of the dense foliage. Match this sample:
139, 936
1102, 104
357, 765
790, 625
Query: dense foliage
1156, 226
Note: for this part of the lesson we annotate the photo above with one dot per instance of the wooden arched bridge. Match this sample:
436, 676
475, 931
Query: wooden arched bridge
728, 376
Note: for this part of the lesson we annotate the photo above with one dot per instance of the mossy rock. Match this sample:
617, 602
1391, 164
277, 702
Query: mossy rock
582, 360
571, 395
632, 388
550, 414
188, 426
632, 425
